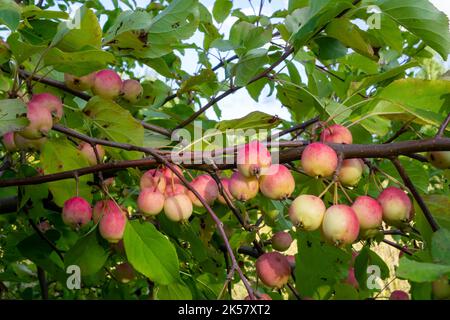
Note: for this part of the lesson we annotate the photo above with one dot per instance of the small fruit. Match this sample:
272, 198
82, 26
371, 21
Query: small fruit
112, 224
351, 172
307, 211
107, 84
124, 272
243, 188
439, 159
153, 179
369, 212
259, 296
131, 90
441, 288
226, 190
77, 212
340, 225
88, 152
171, 177
291, 260
319, 160
40, 122
278, 183
82, 83
8, 141
23, 143
174, 189
102, 207
150, 201
399, 295
273, 269
253, 158
281, 241
396, 205
178, 207
336, 134
207, 187
50, 102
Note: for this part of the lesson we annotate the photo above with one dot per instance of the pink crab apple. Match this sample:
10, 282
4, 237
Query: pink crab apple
82, 83
124, 272
226, 190
8, 141
399, 295
396, 205
77, 212
439, 159
88, 152
243, 188
50, 102
102, 207
112, 224
441, 288
253, 158
23, 143
207, 187
107, 84
369, 212
273, 269
178, 207
278, 183
153, 179
40, 122
351, 172
150, 201
336, 134
319, 160
174, 189
170, 176
131, 90
281, 241
340, 225
306, 212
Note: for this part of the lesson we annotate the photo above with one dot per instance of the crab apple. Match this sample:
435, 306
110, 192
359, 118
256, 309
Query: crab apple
124, 272
441, 288
439, 159
102, 207
170, 176
259, 296
336, 134
273, 269
131, 90
174, 189
178, 207
23, 143
396, 205
281, 241
291, 259
112, 224
340, 225
243, 188
369, 212
351, 278
50, 102
82, 83
40, 122
271, 217
153, 179
319, 160
252, 158
278, 183
226, 190
351, 172
307, 211
107, 84
399, 295
8, 141
150, 202
207, 187
89, 153
76, 212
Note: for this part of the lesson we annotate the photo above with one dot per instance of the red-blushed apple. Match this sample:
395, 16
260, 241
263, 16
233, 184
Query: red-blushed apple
174, 189
112, 224
369, 212
102, 207
40, 122
243, 188
124, 272
291, 259
396, 205
82, 83
340, 225
281, 241
8, 141
23, 143
76, 212
273, 269
399, 295
50, 102
253, 158
441, 288
207, 187
351, 172
131, 90
178, 207
439, 159
336, 134
170, 176
89, 153
306, 212
153, 179
107, 84
278, 183
226, 190
319, 160
150, 201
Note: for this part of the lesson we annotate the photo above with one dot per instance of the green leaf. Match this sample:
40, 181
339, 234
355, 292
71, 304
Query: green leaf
439, 205
150, 252
87, 254
174, 291
10, 15
421, 18
249, 65
196, 83
388, 34
222, 9
10, 115
59, 155
245, 36
329, 48
420, 271
22, 50
254, 120
440, 246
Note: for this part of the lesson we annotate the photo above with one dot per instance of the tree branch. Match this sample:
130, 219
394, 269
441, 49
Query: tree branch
444, 125
397, 246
